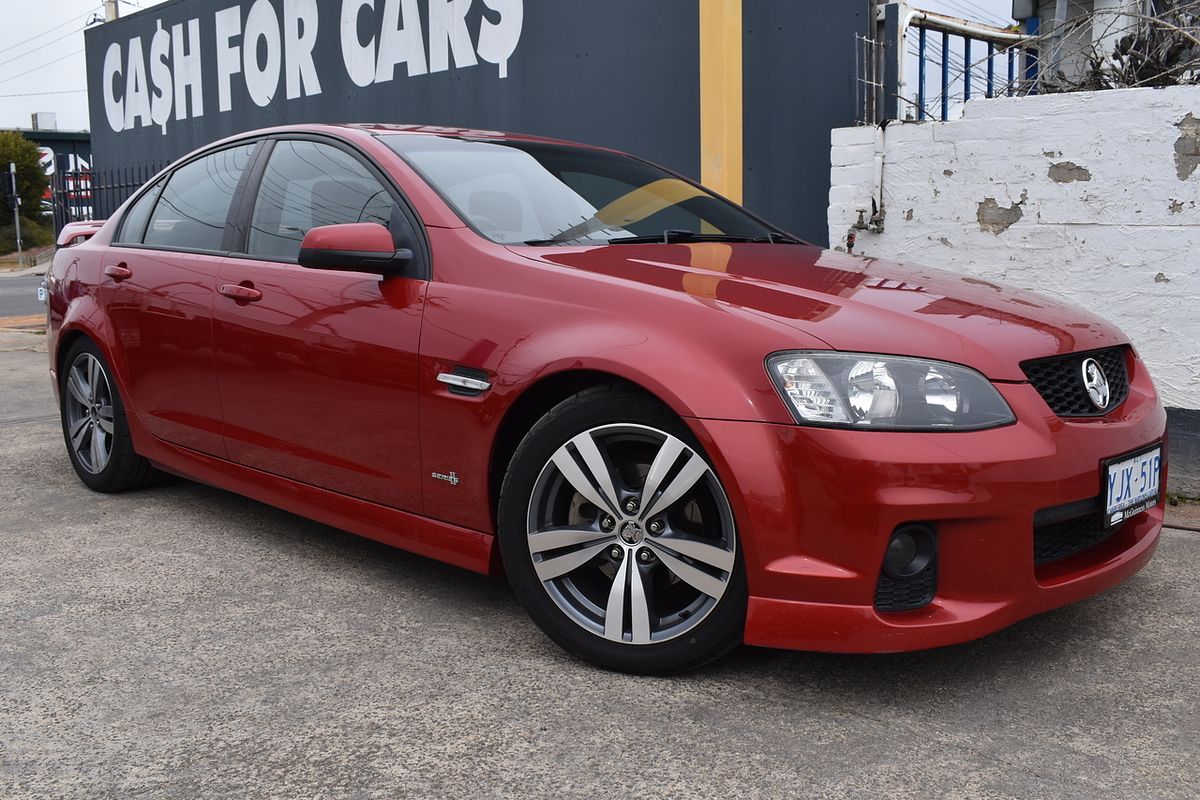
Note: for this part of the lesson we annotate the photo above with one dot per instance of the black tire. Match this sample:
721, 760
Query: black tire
717, 632
124, 469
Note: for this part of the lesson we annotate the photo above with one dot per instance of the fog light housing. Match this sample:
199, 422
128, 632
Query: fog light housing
910, 551
908, 579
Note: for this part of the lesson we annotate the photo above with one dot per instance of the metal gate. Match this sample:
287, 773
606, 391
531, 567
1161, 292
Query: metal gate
97, 193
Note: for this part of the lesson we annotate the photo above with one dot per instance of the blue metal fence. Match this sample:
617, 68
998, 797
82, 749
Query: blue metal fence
963, 72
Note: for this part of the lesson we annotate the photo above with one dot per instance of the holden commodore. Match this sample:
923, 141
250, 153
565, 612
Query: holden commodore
673, 426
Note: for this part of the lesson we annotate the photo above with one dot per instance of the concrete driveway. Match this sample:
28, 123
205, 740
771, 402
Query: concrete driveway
185, 642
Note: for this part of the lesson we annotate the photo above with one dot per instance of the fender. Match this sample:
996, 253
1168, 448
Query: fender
84, 316
522, 319
523, 322
609, 349
658, 342
74, 307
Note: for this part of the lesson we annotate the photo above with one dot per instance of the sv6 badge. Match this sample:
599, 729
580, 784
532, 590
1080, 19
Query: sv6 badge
451, 479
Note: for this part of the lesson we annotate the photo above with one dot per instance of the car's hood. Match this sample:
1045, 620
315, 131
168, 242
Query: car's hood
857, 304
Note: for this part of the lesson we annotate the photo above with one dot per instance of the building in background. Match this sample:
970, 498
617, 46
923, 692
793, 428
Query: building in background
62, 151
917, 64
66, 156
1078, 31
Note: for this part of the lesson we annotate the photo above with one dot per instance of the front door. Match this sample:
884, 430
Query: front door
318, 374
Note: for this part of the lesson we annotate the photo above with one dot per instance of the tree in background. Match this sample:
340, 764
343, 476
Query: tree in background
31, 178
31, 187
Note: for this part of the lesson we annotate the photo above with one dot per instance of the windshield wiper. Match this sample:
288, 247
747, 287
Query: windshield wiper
674, 235
778, 238
545, 242
671, 235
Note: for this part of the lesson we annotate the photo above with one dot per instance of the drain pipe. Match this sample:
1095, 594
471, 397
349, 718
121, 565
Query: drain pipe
877, 211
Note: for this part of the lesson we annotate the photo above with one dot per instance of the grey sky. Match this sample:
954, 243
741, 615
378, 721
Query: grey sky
44, 39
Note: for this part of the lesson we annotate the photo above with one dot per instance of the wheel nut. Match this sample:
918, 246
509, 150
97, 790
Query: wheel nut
631, 505
645, 555
656, 526
607, 522
615, 553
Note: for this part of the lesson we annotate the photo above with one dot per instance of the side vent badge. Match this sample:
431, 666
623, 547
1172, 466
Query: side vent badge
466, 381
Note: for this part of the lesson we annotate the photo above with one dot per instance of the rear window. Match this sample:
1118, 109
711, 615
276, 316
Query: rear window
192, 208
133, 226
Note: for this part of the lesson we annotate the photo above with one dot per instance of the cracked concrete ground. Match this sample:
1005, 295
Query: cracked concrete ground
184, 642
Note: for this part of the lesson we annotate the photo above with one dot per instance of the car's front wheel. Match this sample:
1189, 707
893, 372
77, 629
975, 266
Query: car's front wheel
618, 537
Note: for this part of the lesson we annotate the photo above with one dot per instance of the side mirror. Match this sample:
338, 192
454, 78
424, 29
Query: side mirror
353, 246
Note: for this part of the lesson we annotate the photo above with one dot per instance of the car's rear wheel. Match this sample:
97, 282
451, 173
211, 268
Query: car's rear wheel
93, 423
618, 537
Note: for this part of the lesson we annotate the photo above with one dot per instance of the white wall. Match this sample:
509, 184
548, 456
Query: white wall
1107, 198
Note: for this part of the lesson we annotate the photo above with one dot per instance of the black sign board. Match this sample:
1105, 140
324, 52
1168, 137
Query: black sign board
620, 73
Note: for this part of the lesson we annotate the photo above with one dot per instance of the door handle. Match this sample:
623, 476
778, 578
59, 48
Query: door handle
118, 272
241, 293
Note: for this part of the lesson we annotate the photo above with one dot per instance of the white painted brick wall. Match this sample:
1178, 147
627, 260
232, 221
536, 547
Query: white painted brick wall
1124, 243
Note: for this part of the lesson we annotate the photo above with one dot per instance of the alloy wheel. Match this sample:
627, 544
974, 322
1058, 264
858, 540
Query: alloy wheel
631, 534
89, 407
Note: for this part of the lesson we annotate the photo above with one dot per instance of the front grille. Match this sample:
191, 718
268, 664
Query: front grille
1059, 380
1056, 540
894, 594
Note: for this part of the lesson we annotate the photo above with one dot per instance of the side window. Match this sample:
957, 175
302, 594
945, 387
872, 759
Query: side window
133, 226
307, 185
192, 208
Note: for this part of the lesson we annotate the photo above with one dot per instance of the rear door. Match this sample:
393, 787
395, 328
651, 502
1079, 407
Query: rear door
318, 374
157, 283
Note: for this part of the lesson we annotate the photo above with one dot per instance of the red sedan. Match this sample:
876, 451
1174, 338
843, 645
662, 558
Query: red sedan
673, 426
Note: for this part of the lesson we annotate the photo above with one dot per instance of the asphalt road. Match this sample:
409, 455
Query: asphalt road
18, 296
184, 642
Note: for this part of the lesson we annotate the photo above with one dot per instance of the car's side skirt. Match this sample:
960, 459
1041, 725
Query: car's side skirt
427, 537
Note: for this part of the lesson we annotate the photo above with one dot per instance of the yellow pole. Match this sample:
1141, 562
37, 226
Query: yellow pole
721, 97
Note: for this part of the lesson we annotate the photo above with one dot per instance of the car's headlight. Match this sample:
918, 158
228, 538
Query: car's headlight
862, 390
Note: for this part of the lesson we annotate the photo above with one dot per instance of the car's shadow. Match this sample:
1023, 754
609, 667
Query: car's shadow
1049, 642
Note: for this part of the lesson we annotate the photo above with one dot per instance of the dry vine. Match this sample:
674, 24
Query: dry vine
1161, 48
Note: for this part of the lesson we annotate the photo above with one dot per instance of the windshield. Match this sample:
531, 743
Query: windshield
537, 193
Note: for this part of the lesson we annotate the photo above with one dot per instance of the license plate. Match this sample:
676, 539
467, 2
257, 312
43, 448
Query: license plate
1131, 485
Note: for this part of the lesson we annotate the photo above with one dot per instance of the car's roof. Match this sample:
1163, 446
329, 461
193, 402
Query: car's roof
416, 129
371, 130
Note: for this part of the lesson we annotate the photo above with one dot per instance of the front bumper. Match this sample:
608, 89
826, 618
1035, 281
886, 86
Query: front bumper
816, 507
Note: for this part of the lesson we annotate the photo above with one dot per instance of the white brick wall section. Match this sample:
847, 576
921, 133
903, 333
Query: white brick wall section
1109, 202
